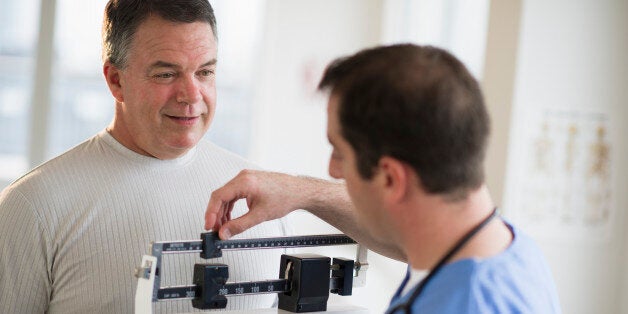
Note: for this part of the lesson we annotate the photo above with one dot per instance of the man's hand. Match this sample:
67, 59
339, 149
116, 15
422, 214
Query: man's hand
269, 195
272, 195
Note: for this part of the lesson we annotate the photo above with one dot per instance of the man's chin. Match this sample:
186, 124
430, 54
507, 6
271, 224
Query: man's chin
175, 149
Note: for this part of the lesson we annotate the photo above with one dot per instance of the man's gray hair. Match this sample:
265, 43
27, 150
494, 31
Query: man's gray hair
123, 17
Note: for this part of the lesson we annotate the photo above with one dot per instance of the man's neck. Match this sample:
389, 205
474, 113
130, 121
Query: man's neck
436, 225
122, 134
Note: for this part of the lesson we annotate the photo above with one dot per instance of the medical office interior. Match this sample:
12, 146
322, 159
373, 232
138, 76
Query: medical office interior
554, 74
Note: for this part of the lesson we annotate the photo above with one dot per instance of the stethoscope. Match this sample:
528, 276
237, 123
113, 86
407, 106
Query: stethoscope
407, 305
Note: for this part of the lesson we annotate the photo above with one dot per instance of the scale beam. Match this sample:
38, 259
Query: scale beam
299, 274
228, 289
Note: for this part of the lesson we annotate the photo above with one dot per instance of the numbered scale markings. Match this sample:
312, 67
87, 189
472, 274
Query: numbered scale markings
228, 289
260, 243
284, 242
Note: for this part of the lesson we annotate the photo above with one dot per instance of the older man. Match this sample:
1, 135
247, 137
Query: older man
73, 229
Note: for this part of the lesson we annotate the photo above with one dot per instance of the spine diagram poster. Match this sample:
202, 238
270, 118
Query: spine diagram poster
562, 183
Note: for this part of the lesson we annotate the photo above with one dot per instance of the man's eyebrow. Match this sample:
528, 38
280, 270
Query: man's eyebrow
210, 62
164, 64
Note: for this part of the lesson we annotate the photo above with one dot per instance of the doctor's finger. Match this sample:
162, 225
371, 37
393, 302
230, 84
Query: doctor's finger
241, 224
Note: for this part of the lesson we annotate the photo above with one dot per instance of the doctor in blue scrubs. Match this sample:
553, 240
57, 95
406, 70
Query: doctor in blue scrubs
409, 131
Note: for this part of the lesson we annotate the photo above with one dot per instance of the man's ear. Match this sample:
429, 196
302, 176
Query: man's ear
397, 179
112, 76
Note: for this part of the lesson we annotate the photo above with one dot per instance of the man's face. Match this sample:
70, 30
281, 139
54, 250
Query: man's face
343, 165
167, 94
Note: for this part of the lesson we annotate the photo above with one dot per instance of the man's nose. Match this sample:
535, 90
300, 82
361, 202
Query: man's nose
334, 169
189, 90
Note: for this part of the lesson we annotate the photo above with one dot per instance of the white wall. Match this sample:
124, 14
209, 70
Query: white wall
301, 38
572, 57
289, 135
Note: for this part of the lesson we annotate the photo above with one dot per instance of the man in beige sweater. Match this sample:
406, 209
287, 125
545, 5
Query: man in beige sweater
73, 229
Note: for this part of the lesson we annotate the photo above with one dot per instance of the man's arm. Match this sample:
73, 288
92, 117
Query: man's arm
271, 195
24, 281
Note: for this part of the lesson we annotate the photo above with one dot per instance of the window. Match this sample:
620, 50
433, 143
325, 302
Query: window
240, 25
18, 35
456, 25
81, 104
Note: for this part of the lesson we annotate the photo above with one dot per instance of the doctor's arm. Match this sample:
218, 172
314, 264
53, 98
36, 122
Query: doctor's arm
271, 195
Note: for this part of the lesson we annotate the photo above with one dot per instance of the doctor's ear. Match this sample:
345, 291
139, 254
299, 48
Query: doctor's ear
112, 76
397, 178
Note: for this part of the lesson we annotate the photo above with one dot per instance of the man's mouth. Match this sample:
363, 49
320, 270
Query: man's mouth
183, 120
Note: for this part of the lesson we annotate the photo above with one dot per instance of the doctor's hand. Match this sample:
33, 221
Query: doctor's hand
269, 195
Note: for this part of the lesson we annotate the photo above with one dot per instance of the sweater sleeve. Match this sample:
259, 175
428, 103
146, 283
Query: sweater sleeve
25, 282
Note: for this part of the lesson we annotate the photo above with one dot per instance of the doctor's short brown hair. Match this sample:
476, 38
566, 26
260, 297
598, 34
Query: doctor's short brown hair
418, 104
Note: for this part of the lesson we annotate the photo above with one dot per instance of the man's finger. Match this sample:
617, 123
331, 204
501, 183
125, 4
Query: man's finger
239, 225
212, 212
218, 203
232, 191
211, 222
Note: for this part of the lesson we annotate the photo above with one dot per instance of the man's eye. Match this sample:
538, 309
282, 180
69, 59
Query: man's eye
164, 75
205, 72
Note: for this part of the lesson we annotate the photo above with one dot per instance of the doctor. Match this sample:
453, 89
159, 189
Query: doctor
409, 131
